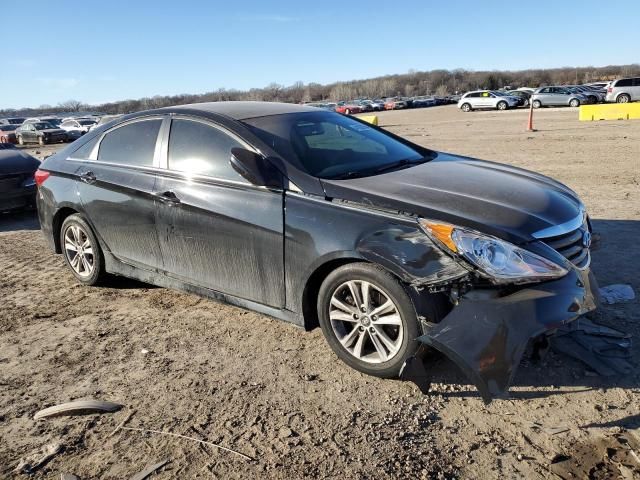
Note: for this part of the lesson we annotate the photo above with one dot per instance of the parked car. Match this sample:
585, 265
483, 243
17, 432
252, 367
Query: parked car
17, 184
348, 108
519, 100
77, 128
421, 102
523, 95
624, 90
8, 133
395, 104
12, 121
364, 106
557, 96
386, 245
373, 106
42, 133
55, 121
486, 99
592, 95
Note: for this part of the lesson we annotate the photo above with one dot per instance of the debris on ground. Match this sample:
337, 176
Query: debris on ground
79, 407
68, 476
617, 293
549, 430
36, 459
604, 349
149, 469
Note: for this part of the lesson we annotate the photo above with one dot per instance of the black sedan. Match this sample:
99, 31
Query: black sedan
17, 183
318, 218
39, 132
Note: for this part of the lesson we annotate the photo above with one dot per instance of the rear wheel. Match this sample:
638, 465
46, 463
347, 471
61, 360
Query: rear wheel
574, 102
465, 107
368, 319
623, 98
81, 250
502, 105
537, 104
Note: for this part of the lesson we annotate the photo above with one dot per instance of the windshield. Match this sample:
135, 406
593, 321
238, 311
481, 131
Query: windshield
86, 122
53, 121
333, 146
43, 126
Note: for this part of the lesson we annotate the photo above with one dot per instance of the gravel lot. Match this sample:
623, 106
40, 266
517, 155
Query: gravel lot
264, 388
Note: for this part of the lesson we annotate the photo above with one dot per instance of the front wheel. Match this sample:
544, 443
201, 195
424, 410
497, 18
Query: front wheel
20, 140
41, 141
347, 112
537, 104
368, 319
81, 250
466, 107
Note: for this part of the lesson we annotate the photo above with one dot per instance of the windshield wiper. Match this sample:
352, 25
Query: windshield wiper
394, 165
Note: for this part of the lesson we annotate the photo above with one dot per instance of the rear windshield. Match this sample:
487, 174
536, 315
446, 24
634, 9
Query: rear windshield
330, 145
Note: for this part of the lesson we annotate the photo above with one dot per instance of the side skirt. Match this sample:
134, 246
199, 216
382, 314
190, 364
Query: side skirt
116, 267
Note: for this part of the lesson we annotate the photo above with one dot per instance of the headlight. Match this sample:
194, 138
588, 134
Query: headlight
493, 257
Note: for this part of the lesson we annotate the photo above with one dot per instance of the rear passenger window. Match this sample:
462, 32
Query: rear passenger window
625, 82
133, 144
198, 148
85, 150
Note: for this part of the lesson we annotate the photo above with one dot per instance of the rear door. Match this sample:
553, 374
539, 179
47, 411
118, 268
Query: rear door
635, 89
217, 230
116, 188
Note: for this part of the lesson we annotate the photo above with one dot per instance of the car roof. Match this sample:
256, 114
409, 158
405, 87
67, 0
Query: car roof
242, 110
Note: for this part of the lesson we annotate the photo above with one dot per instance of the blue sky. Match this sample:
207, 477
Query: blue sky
112, 50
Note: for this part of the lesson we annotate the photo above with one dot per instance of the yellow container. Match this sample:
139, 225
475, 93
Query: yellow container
372, 119
613, 111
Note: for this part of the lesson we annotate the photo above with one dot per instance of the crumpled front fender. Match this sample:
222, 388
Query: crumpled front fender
486, 334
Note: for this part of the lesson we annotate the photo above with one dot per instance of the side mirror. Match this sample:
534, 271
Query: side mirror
255, 168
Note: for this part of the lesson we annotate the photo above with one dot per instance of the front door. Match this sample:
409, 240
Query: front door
117, 192
217, 230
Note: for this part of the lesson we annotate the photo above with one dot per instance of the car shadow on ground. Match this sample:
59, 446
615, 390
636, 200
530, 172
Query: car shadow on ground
19, 220
615, 261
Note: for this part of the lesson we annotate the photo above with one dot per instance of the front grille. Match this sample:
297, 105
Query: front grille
572, 246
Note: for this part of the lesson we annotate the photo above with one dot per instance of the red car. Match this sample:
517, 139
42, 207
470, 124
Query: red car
8, 133
348, 109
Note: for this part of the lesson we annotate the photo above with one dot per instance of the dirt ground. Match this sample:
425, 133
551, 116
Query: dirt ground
264, 388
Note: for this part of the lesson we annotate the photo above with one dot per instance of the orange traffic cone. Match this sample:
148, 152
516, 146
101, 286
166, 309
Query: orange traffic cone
530, 123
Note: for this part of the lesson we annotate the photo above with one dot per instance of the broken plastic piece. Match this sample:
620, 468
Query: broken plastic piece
79, 407
617, 293
149, 470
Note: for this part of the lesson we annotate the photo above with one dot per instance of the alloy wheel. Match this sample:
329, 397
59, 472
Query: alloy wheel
78, 250
623, 99
366, 321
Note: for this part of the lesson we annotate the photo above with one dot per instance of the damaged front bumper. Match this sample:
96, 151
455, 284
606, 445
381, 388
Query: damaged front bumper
487, 333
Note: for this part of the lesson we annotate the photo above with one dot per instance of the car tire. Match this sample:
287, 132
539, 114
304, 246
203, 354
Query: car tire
3, 140
359, 342
20, 140
525, 103
537, 104
502, 106
466, 107
76, 233
347, 111
41, 141
623, 98
574, 102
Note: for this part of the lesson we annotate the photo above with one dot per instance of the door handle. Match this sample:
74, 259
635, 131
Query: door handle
168, 197
88, 177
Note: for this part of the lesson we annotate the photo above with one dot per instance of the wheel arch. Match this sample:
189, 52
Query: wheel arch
56, 224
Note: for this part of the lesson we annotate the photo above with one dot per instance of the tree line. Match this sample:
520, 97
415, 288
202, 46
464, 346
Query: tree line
433, 82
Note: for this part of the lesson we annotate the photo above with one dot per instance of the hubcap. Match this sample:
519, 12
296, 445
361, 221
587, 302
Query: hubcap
79, 251
366, 322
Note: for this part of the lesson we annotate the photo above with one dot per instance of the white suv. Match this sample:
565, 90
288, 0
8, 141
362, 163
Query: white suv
486, 99
624, 90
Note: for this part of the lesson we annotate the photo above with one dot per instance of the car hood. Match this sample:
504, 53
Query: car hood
14, 161
53, 131
497, 199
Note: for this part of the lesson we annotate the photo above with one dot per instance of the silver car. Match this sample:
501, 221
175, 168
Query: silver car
624, 90
486, 99
557, 97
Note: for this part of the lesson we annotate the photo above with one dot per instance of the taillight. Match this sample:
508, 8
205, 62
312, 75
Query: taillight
40, 176
609, 89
